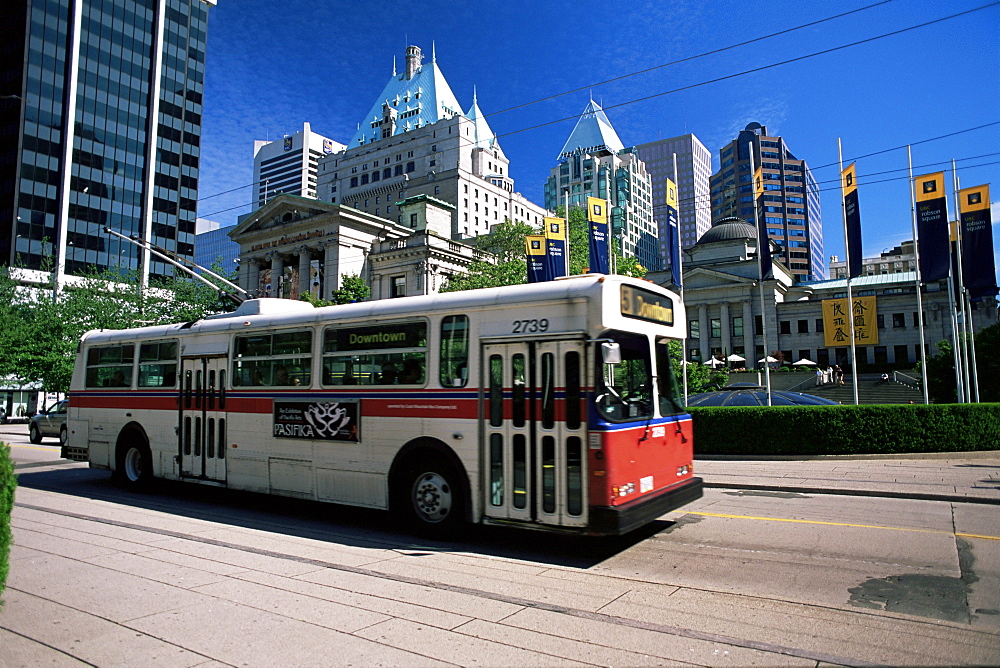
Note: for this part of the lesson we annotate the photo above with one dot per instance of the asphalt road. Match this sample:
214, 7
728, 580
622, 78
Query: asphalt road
189, 575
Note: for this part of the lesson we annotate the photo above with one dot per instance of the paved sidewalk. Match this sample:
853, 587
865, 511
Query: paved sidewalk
971, 477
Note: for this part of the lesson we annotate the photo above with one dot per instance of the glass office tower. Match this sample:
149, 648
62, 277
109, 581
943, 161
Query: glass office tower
100, 119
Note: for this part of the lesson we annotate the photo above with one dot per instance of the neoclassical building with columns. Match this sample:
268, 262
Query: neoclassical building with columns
731, 312
293, 245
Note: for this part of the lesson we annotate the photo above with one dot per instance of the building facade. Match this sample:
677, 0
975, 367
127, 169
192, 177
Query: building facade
103, 130
890, 261
293, 245
594, 162
694, 169
789, 205
290, 164
725, 317
416, 140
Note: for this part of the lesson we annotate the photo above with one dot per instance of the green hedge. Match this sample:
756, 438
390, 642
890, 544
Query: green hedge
7, 484
846, 430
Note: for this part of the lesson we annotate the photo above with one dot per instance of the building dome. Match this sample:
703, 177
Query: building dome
728, 229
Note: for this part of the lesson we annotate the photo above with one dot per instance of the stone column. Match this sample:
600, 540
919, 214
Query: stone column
727, 347
331, 269
705, 332
277, 267
305, 257
252, 276
749, 349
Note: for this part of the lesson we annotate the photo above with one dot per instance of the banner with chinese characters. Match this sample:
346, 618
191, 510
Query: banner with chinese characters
837, 320
597, 217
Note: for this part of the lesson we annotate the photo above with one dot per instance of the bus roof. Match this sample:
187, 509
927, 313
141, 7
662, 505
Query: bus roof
276, 311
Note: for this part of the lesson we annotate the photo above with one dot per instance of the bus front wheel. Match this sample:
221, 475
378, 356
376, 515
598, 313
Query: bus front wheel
434, 502
135, 466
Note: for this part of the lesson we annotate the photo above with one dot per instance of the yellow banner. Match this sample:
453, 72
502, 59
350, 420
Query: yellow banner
555, 228
930, 186
597, 210
848, 180
975, 198
534, 244
671, 194
758, 181
837, 320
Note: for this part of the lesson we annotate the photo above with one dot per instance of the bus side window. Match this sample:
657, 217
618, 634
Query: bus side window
455, 351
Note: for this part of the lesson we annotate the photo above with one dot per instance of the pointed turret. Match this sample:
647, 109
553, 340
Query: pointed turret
418, 96
484, 136
593, 133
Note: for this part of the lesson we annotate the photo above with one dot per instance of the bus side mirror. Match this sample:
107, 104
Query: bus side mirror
611, 353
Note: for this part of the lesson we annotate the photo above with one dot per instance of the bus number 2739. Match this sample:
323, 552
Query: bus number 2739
529, 326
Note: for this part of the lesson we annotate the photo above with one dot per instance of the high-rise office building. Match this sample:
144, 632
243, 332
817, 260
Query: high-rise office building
416, 140
790, 203
290, 164
100, 112
595, 162
694, 168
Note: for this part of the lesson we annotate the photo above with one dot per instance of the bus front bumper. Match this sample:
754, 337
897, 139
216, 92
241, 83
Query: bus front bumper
619, 520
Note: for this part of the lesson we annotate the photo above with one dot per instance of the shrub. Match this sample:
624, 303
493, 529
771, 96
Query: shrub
845, 430
7, 484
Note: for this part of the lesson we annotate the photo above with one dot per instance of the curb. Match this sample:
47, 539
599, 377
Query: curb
918, 496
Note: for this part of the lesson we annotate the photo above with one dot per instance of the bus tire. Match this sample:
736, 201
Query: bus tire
432, 498
134, 469
34, 435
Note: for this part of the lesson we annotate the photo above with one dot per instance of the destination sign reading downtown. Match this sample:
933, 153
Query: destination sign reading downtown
645, 305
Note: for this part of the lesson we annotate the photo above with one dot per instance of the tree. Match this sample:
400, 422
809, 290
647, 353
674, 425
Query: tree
701, 377
508, 266
352, 289
506, 244
40, 329
941, 386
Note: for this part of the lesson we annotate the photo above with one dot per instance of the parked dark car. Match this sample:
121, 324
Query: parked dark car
51, 422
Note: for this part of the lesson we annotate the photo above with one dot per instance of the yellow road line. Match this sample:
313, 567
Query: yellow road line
837, 524
32, 447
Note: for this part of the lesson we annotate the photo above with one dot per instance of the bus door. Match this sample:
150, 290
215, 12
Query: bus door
534, 421
202, 432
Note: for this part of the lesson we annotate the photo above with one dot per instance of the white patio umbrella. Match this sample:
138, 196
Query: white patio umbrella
803, 362
712, 362
736, 358
767, 359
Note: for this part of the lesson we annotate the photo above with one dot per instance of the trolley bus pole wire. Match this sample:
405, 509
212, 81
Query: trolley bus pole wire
165, 255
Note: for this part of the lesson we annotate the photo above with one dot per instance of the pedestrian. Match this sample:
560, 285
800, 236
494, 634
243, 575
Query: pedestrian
827, 375
819, 376
838, 374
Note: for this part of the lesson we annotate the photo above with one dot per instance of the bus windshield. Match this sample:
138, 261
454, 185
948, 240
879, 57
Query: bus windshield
666, 380
626, 389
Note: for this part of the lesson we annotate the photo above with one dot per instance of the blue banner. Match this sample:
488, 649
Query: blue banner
597, 217
932, 227
555, 248
534, 246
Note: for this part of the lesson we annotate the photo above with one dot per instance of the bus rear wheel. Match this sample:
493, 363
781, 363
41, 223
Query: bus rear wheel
135, 466
434, 503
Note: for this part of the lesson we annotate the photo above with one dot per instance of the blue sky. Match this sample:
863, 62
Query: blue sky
274, 65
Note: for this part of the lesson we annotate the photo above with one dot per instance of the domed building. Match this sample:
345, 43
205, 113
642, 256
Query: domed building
721, 293
723, 296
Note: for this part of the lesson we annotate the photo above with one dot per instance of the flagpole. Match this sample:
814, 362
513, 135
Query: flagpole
916, 259
566, 256
967, 328
680, 272
760, 273
847, 256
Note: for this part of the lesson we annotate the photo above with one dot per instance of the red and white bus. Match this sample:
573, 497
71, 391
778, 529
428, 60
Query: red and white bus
549, 406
